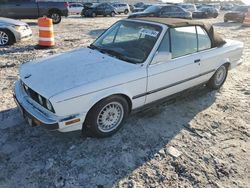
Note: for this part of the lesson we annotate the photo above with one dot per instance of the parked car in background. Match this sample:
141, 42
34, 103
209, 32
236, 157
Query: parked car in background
33, 9
88, 4
75, 8
206, 12
12, 31
227, 6
237, 15
142, 8
139, 4
132, 64
131, 7
188, 7
167, 11
121, 8
104, 9
214, 5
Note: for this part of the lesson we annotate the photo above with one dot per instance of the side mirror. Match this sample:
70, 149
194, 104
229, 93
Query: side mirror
161, 57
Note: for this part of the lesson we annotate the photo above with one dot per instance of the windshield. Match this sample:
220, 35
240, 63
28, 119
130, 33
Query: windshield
129, 41
152, 9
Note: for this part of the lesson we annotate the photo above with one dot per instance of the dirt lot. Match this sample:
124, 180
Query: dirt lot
210, 129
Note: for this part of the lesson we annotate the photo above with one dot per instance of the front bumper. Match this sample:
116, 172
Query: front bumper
36, 115
30, 112
21, 35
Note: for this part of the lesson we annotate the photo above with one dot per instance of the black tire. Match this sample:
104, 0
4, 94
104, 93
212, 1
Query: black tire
126, 11
98, 111
6, 37
93, 14
225, 20
112, 14
218, 78
55, 16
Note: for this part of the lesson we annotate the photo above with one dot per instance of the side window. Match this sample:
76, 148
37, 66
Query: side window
176, 9
183, 41
165, 10
204, 41
164, 46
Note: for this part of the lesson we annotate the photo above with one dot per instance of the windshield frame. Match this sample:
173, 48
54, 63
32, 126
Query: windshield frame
148, 59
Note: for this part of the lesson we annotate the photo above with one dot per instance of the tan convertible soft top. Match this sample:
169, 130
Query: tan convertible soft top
217, 41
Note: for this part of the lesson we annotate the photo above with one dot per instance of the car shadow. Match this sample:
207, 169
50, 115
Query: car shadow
16, 49
91, 161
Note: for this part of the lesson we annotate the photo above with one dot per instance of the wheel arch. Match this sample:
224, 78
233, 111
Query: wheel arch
226, 62
125, 96
8, 30
54, 10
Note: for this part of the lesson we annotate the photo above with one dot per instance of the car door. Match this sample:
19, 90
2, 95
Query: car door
165, 12
100, 9
179, 72
209, 56
22, 9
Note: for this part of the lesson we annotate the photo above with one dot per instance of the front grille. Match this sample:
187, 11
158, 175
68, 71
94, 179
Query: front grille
34, 95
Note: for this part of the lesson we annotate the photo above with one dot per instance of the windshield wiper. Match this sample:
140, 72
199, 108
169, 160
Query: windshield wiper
94, 47
118, 55
112, 53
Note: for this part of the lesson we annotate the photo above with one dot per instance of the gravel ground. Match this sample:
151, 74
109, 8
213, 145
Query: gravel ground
199, 140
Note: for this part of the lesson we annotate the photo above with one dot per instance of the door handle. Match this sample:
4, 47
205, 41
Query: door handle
18, 5
197, 61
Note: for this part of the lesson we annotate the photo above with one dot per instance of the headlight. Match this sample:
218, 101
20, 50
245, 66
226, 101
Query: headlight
19, 27
49, 105
40, 99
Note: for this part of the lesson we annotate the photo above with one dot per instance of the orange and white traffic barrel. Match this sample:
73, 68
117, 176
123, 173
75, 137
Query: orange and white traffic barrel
247, 20
46, 32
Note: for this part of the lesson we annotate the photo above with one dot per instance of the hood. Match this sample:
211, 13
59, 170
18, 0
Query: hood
58, 73
11, 21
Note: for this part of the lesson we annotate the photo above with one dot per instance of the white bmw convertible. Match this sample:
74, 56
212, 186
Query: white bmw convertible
133, 63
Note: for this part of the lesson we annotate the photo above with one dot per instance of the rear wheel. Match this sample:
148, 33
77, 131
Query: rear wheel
126, 11
56, 17
218, 78
112, 14
93, 14
107, 116
6, 37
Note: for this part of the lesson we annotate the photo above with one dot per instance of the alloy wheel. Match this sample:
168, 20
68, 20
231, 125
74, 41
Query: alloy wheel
4, 38
110, 117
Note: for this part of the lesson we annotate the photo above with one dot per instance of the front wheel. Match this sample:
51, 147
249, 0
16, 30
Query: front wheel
126, 11
107, 116
6, 37
112, 14
218, 78
56, 17
93, 14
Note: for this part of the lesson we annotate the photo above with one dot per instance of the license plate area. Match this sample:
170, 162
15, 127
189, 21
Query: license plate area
31, 121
